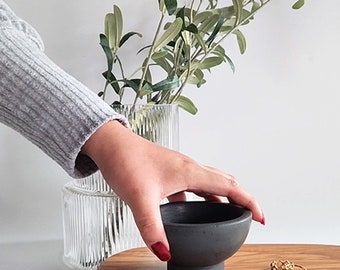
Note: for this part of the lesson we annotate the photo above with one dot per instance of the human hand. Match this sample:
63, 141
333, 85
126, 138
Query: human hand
143, 173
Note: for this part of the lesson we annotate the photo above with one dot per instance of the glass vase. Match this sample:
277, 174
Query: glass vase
96, 222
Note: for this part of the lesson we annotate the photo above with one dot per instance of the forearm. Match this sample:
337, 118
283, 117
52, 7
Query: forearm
45, 104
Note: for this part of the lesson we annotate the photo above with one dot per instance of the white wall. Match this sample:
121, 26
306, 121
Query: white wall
274, 124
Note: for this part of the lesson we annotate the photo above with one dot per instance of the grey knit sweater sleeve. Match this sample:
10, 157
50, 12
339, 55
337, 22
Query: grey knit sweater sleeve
42, 102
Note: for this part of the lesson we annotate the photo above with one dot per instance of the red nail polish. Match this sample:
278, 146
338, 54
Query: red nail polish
263, 220
161, 251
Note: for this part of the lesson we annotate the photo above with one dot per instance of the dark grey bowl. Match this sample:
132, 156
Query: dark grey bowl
202, 235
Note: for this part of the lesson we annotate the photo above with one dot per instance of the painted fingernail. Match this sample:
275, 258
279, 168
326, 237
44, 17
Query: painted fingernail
263, 220
161, 251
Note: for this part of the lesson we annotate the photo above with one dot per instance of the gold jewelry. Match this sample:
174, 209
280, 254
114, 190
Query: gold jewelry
285, 265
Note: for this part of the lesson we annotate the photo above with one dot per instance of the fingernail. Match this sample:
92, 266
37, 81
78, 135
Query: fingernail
161, 251
263, 220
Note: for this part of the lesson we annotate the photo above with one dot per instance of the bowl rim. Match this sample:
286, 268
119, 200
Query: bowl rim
242, 218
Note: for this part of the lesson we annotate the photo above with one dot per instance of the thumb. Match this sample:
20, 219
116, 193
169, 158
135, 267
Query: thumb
149, 222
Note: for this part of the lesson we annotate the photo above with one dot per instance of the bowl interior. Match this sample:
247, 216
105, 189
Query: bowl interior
201, 212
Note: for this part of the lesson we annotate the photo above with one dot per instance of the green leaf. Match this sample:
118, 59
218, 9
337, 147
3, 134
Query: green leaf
168, 83
208, 24
148, 76
181, 14
115, 104
208, 63
246, 14
111, 79
171, 6
231, 64
146, 90
170, 33
201, 43
144, 48
134, 84
202, 16
164, 64
200, 76
187, 38
220, 51
110, 30
178, 47
192, 80
217, 28
228, 25
143, 92
160, 54
127, 36
197, 78
255, 7
228, 11
114, 27
186, 104
192, 28
241, 40
238, 10
298, 4
118, 24
104, 42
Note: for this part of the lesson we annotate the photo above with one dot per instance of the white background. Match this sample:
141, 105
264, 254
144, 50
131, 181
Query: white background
274, 124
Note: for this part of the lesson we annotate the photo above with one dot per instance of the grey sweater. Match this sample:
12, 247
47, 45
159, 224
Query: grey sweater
42, 102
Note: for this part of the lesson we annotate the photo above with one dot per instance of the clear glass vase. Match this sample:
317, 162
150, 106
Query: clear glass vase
97, 223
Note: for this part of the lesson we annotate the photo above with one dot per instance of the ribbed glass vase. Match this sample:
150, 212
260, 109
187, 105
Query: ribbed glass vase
97, 223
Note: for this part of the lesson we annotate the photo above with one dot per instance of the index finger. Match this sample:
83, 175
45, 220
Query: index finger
212, 181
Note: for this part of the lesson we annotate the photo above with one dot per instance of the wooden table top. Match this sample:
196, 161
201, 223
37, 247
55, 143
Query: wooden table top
249, 257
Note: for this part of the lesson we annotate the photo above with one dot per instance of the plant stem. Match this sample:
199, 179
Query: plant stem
147, 63
191, 10
105, 89
107, 82
121, 90
180, 89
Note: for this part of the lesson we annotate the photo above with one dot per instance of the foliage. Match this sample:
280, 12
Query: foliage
186, 44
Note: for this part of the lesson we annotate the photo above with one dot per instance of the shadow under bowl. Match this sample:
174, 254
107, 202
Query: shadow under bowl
202, 235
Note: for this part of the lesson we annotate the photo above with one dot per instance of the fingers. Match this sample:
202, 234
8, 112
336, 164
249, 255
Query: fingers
212, 181
148, 220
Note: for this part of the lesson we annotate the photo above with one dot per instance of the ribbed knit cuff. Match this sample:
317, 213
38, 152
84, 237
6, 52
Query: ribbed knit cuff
46, 105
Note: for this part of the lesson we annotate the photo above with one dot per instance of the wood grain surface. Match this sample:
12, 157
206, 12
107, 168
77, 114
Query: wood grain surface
249, 257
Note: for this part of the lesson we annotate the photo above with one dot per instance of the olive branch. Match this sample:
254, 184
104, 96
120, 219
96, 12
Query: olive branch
188, 42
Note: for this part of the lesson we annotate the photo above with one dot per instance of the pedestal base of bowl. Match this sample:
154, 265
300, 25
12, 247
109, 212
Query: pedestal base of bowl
219, 266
